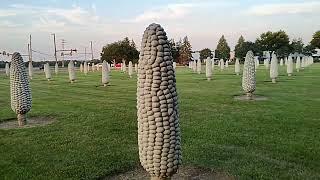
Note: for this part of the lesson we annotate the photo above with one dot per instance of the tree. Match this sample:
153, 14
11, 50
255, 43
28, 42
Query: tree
297, 45
275, 41
239, 50
223, 50
175, 49
204, 53
308, 50
119, 50
185, 52
315, 42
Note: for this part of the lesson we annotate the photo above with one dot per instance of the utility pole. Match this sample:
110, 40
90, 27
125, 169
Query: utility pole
85, 54
91, 50
30, 49
55, 46
63, 42
29, 52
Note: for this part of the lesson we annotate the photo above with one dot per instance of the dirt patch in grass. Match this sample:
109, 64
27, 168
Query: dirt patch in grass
31, 122
252, 98
184, 173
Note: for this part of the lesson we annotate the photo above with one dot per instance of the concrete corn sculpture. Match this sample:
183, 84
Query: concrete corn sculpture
56, 68
208, 69
199, 66
221, 64
174, 65
21, 100
227, 64
249, 75
286, 61
237, 67
72, 72
212, 64
124, 67
30, 68
7, 68
290, 66
298, 64
274, 68
136, 67
267, 61
105, 74
194, 66
47, 71
93, 67
109, 67
281, 62
81, 67
157, 103
130, 69
256, 61
85, 68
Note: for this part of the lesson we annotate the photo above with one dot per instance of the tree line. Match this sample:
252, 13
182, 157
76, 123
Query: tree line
277, 42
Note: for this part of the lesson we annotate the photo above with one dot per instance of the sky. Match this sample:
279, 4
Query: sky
106, 21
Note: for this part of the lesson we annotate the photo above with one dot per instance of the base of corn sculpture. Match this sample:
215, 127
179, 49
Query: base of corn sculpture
19, 89
157, 103
289, 75
274, 80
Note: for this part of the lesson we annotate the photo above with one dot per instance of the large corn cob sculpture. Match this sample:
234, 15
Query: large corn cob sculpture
237, 67
93, 67
285, 61
266, 65
124, 68
249, 75
81, 67
157, 103
19, 88
194, 66
208, 69
130, 69
290, 66
105, 74
281, 62
7, 69
227, 64
136, 67
257, 63
72, 72
30, 68
221, 64
56, 68
47, 71
298, 64
199, 66
274, 68
212, 65
85, 68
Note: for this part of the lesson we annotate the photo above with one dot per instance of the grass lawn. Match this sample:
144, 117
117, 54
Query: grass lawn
95, 132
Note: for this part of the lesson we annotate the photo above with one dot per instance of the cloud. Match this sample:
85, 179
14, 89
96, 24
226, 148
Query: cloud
74, 15
284, 8
169, 12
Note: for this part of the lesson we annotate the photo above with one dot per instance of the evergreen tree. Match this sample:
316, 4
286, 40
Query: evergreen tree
239, 48
185, 52
223, 50
205, 53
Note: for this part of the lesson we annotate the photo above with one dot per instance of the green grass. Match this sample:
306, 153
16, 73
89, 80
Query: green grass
95, 133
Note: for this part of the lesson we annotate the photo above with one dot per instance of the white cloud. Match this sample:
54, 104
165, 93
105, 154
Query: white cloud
169, 12
284, 8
